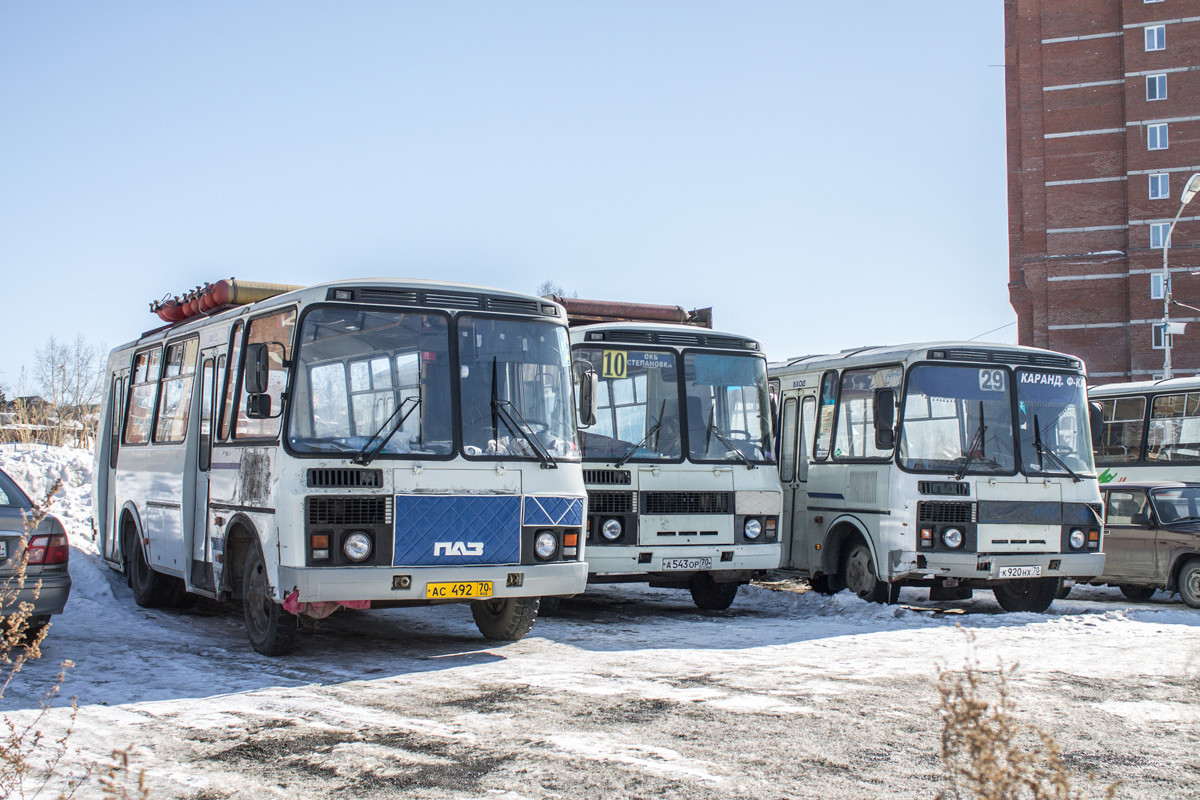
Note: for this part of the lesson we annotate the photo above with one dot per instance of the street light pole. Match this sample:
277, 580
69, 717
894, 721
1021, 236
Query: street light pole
1189, 191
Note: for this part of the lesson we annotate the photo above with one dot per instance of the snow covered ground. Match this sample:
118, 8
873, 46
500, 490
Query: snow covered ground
627, 692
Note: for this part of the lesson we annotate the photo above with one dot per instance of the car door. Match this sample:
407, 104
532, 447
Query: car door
1129, 536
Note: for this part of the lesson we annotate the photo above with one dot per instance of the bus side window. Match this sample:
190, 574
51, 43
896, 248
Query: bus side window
825, 418
275, 331
1120, 438
175, 397
787, 442
139, 413
235, 353
808, 412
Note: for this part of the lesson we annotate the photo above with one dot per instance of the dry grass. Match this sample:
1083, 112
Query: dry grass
990, 753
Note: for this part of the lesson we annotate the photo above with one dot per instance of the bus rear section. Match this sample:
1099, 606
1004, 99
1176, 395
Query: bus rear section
359, 444
679, 463
950, 466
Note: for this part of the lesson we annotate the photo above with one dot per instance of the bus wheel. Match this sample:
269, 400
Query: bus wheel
150, 589
1026, 594
1189, 583
710, 595
1138, 594
505, 619
858, 575
271, 630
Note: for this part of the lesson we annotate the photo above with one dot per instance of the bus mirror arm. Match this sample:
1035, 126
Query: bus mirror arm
885, 418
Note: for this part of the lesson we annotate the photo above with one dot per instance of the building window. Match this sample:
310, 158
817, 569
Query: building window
1157, 336
1156, 87
1158, 234
1156, 286
1159, 186
1156, 37
1156, 136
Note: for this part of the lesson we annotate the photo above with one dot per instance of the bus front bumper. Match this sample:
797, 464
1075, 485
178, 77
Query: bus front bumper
650, 560
988, 566
388, 584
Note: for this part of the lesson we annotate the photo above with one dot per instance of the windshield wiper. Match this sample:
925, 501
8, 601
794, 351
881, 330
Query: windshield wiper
725, 440
1046, 451
653, 430
363, 456
510, 414
976, 441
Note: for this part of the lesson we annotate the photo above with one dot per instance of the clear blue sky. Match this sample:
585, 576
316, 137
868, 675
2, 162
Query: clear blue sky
825, 176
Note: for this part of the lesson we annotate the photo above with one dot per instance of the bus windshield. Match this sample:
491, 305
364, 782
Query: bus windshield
727, 408
1053, 422
357, 368
957, 419
515, 389
638, 406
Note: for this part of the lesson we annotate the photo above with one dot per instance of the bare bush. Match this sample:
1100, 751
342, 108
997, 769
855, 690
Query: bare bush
989, 753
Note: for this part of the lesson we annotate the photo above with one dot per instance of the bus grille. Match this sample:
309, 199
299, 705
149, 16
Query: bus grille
610, 503
340, 478
349, 511
607, 477
945, 513
687, 503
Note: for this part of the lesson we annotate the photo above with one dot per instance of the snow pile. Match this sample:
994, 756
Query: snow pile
35, 468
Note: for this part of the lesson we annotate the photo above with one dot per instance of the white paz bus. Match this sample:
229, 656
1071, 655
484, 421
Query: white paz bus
1149, 431
363, 443
954, 466
679, 463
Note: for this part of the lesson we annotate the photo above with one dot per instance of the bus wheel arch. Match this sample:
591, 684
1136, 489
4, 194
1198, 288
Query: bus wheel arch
854, 561
151, 589
240, 538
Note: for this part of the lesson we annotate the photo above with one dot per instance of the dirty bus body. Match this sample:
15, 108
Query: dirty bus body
360, 443
954, 466
682, 490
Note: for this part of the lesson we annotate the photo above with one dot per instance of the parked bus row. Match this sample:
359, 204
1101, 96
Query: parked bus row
384, 443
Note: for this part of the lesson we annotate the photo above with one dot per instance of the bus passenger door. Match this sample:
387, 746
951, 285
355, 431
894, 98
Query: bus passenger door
802, 554
110, 525
200, 573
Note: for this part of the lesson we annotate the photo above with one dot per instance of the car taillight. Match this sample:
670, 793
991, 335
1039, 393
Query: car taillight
48, 550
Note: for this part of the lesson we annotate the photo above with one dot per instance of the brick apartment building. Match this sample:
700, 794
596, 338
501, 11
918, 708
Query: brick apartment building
1103, 110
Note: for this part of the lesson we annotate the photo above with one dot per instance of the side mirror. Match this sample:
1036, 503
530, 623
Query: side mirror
885, 419
258, 406
1096, 421
258, 369
588, 393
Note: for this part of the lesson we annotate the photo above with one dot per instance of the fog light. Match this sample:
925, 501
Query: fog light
752, 529
952, 538
357, 546
1077, 539
611, 529
545, 545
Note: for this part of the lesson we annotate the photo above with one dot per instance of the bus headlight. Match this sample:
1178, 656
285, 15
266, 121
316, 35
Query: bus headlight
952, 538
611, 529
545, 545
752, 529
357, 546
1078, 539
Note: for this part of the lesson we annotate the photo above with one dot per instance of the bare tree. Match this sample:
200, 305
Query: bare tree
550, 287
70, 376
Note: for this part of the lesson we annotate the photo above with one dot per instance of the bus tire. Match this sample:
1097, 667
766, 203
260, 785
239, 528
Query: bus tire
271, 630
1189, 583
1026, 594
150, 589
505, 619
1138, 594
858, 575
710, 595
